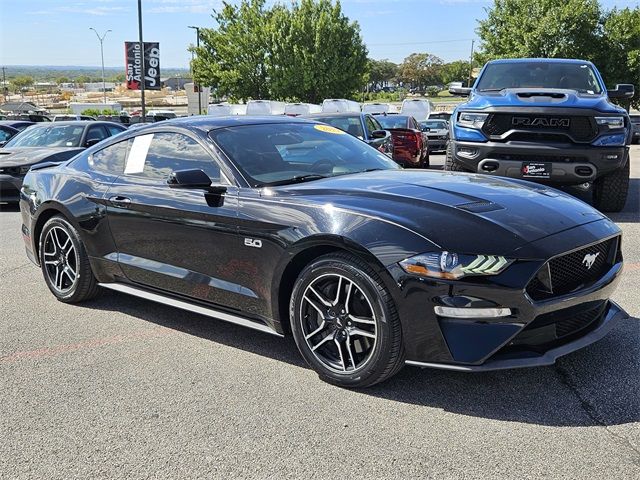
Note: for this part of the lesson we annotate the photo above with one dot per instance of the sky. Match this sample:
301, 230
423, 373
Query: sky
56, 32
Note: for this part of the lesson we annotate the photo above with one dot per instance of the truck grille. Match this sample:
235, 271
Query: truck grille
566, 273
580, 128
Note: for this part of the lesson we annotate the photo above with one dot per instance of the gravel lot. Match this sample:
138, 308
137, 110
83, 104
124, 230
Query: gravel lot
124, 388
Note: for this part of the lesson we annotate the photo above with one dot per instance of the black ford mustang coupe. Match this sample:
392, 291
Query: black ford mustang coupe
289, 226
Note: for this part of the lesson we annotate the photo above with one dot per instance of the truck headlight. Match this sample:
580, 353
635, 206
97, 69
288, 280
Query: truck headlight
472, 119
452, 266
611, 122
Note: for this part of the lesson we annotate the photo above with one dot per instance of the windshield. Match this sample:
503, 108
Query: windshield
571, 76
49, 135
434, 124
392, 121
278, 154
351, 125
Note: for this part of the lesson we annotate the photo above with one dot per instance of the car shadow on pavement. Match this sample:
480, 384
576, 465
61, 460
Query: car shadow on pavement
597, 386
631, 211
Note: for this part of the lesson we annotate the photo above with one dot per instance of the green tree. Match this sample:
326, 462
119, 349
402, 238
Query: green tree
82, 79
232, 58
60, 80
620, 62
381, 71
118, 78
421, 70
541, 28
317, 52
457, 71
20, 83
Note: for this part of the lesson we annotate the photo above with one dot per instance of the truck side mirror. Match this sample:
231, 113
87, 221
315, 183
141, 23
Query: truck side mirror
622, 90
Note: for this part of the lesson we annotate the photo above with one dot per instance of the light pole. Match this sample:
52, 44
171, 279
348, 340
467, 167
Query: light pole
101, 39
197, 29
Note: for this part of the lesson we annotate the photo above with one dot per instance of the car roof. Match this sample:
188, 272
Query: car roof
539, 60
207, 123
81, 123
334, 114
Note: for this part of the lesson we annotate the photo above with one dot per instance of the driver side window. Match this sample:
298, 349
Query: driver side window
168, 152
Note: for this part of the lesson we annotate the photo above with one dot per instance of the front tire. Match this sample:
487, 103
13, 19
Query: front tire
450, 164
345, 322
64, 262
610, 191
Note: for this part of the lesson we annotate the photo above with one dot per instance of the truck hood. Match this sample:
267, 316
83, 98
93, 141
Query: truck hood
453, 210
20, 156
540, 97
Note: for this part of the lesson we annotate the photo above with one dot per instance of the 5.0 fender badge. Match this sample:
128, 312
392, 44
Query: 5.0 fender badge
251, 242
590, 259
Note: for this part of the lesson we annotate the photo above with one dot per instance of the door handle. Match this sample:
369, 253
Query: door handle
120, 201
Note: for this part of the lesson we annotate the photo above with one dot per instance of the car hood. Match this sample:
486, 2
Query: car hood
437, 132
540, 97
19, 156
465, 213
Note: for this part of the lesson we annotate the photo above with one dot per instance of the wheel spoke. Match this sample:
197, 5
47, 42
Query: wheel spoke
338, 291
348, 299
316, 331
58, 280
69, 252
362, 333
312, 303
71, 275
322, 342
51, 262
56, 239
348, 344
49, 254
323, 300
368, 321
344, 368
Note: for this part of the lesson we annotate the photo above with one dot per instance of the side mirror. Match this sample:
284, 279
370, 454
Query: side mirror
189, 179
466, 91
379, 134
91, 142
622, 90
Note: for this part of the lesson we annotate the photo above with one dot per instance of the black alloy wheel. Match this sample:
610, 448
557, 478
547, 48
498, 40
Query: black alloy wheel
64, 262
345, 323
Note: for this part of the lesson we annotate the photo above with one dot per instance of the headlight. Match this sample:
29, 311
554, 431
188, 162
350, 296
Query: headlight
611, 122
471, 119
452, 266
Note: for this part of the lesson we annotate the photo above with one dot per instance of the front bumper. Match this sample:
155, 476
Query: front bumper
536, 332
571, 164
613, 314
438, 143
10, 187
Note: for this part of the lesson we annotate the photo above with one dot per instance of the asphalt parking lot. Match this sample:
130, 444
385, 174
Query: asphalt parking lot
124, 388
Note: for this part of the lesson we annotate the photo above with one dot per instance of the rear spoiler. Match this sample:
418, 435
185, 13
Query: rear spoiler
40, 166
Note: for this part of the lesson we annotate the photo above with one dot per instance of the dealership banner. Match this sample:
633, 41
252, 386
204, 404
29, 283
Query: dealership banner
135, 72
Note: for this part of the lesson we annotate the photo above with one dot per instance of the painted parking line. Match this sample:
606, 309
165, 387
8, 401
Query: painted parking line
147, 333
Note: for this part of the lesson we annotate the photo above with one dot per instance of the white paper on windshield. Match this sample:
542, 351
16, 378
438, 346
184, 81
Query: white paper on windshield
138, 154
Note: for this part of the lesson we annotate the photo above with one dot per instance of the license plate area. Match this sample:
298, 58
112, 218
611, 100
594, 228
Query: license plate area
536, 169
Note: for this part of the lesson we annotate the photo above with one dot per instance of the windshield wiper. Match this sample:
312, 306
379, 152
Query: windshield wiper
296, 179
492, 89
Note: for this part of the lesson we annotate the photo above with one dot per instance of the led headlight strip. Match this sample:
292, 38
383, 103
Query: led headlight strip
485, 264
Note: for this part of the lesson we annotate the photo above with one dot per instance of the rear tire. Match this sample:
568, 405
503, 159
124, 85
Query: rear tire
610, 191
344, 322
64, 262
450, 164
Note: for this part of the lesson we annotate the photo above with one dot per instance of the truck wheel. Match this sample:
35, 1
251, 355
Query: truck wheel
610, 191
450, 163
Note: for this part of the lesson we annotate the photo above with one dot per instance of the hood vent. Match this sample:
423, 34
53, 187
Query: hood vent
480, 206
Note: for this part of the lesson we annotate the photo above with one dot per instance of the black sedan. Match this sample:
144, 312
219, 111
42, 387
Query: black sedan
360, 125
46, 142
17, 124
293, 227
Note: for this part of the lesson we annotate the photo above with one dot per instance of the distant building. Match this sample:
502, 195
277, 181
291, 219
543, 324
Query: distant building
18, 108
45, 85
97, 86
175, 83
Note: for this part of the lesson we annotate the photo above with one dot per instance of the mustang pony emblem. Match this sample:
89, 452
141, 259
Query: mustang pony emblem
590, 259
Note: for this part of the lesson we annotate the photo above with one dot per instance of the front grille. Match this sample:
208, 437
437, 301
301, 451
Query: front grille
580, 129
569, 272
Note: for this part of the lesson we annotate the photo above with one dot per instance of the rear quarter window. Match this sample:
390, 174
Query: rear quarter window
111, 159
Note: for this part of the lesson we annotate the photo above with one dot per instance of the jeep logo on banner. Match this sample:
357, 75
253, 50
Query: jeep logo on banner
135, 73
